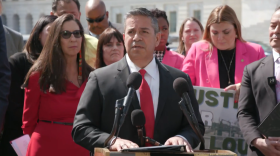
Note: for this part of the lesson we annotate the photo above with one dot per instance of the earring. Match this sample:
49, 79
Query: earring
236, 36
80, 66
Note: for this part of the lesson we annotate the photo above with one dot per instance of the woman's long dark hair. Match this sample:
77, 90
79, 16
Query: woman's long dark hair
105, 38
33, 45
51, 64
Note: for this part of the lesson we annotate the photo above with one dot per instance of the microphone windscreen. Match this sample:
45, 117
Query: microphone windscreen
134, 80
180, 85
138, 117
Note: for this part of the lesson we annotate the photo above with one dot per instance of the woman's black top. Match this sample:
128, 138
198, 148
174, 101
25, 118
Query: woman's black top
228, 55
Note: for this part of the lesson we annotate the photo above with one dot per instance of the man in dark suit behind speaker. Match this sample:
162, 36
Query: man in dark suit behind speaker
260, 92
14, 40
95, 113
5, 76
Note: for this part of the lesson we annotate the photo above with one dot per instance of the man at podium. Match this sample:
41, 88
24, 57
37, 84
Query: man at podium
165, 122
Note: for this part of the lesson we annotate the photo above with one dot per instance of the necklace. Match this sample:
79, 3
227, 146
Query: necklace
227, 68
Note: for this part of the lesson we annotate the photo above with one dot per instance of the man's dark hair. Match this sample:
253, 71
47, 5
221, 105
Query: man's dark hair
143, 12
54, 4
278, 8
159, 13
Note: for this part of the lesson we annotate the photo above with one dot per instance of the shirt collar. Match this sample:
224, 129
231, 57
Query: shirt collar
97, 36
275, 54
150, 68
94, 35
110, 25
159, 51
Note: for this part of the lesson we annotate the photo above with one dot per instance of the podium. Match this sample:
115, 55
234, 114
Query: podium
106, 152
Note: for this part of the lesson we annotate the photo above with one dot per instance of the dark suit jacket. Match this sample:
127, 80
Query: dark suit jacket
19, 65
14, 41
257, 99
95, 114
4, 75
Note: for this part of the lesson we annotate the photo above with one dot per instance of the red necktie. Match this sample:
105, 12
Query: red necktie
147, 106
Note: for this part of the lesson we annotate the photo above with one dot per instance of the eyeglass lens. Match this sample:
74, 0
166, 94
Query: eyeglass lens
97, 20
67, 34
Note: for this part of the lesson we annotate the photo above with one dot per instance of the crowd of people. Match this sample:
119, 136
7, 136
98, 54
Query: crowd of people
62, 87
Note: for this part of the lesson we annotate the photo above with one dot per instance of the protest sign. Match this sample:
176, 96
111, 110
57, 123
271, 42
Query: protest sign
218, 112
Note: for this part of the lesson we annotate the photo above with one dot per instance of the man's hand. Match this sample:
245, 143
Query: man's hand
275, 139
123, 144
267, 146
235, 87
179, 141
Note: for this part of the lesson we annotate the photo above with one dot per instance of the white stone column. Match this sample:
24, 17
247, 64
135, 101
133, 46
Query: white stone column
9, 20
22, 23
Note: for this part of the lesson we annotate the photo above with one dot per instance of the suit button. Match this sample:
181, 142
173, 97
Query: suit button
207, 81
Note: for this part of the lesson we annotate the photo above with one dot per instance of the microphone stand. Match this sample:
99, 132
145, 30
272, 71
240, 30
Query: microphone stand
189, 114
118, 112
121, 109
146, 139
151, 141
140, 136
191, 111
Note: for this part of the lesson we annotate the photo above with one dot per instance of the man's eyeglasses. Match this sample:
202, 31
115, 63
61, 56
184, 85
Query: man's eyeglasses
67, 34
97, 20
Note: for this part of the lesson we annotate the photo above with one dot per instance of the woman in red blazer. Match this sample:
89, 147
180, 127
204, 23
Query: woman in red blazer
219, 59
163, 54
53, 88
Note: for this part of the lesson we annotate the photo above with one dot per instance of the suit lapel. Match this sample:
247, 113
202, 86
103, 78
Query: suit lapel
212, 66
266, 66
164, 79
169, 59
165, 58
240, 61
121, 77
11, 47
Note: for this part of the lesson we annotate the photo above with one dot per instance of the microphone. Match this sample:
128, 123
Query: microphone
271, 80
138, 119
181, 87
133, 83
122, 105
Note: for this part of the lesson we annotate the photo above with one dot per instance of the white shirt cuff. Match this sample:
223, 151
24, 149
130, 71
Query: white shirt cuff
182, 137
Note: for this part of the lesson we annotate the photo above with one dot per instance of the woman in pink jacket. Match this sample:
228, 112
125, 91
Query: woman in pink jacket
162, 53
219, 59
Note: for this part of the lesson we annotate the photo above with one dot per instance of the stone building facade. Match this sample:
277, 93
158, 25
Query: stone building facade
254, 15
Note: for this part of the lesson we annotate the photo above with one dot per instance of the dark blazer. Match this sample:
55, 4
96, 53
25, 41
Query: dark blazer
95, 114
13, 120
14, 41
257, 99
4, 75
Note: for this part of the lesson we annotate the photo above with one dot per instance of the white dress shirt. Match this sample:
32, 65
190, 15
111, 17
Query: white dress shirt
276, 55
152, 78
